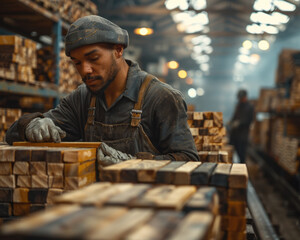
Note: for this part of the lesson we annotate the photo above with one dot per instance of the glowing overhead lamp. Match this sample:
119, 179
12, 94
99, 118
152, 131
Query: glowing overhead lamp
247, 44
173, 65
182, 74
192, 92
143, 31
200, 91
263, 45
254, 58
189, 81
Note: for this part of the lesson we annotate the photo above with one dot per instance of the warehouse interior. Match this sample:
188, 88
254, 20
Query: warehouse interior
206, 49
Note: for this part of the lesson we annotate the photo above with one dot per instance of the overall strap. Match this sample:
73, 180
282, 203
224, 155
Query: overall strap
136, 112
91, 112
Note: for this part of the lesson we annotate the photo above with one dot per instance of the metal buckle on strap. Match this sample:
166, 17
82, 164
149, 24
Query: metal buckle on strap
138, 112
92, 109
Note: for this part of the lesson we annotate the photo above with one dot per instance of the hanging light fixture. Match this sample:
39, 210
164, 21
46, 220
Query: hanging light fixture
144, 29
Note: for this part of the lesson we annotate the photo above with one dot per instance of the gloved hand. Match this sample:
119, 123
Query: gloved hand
107, 155
43, 130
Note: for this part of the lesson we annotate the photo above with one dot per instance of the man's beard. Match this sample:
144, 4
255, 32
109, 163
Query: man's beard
111, 77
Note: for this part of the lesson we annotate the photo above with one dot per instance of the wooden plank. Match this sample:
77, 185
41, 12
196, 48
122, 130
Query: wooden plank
20, 195
79, 196
53, 193
39, 154
34, 221
198, 116
218, 119
6, 168
112, 173
79, 168
22, 154
7, 154
39, 181
166, 174
38, 195
6, 195
236, 208
8, 181
201, 175
54, 155
158, 227
61, 144
77, 224
79, 155
182, 175
55, 169
233, 223
238, 177
21, 209
21, 168
196, 225
72, 183
100, 198
220, 175
56, 182
38, 168
237, 194
24, 181
5, 209
124, 198
144, 171
165, 196
205, 199
121, 226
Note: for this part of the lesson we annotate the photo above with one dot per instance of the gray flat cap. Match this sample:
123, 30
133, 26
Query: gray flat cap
94, 29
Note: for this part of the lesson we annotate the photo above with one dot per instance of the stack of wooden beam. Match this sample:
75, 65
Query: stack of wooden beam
7, 117
125, 211
230, 180
285, 146
208, 132
69, 78
17, 58
31, 176
70, 11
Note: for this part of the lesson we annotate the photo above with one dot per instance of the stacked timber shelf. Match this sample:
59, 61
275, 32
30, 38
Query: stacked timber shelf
209, 135
31, 175
146, 199
278, 134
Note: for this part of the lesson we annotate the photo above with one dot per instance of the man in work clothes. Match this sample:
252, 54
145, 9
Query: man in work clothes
130, 111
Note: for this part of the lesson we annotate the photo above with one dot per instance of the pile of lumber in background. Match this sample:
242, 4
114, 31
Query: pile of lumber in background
230, 181
69, 10
31, 176
69, 78
7, 117
125, 211
17, 58
209, 134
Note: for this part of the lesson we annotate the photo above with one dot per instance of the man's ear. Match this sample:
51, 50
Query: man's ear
118, 50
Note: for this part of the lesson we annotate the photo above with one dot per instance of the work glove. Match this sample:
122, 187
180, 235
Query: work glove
43, 130
107, 155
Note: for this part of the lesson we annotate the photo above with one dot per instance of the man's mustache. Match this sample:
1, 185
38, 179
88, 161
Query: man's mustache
91, 78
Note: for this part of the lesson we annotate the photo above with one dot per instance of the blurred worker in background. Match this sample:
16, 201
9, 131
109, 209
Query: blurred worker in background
240, 124
133, 113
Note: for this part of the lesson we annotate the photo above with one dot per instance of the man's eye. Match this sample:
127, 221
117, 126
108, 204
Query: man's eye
94, 58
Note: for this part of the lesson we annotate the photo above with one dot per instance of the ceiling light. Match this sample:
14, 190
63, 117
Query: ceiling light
247, 44
263, 45
243, 58
192, 92
254, 58
200, 91
282, 18
263, 5
189, 81
171, 4
204, 67
198, 4
143, 31
284, 6
173, 65
182, 74
254, 29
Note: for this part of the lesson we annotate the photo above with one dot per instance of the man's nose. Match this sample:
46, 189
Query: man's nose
86, 68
